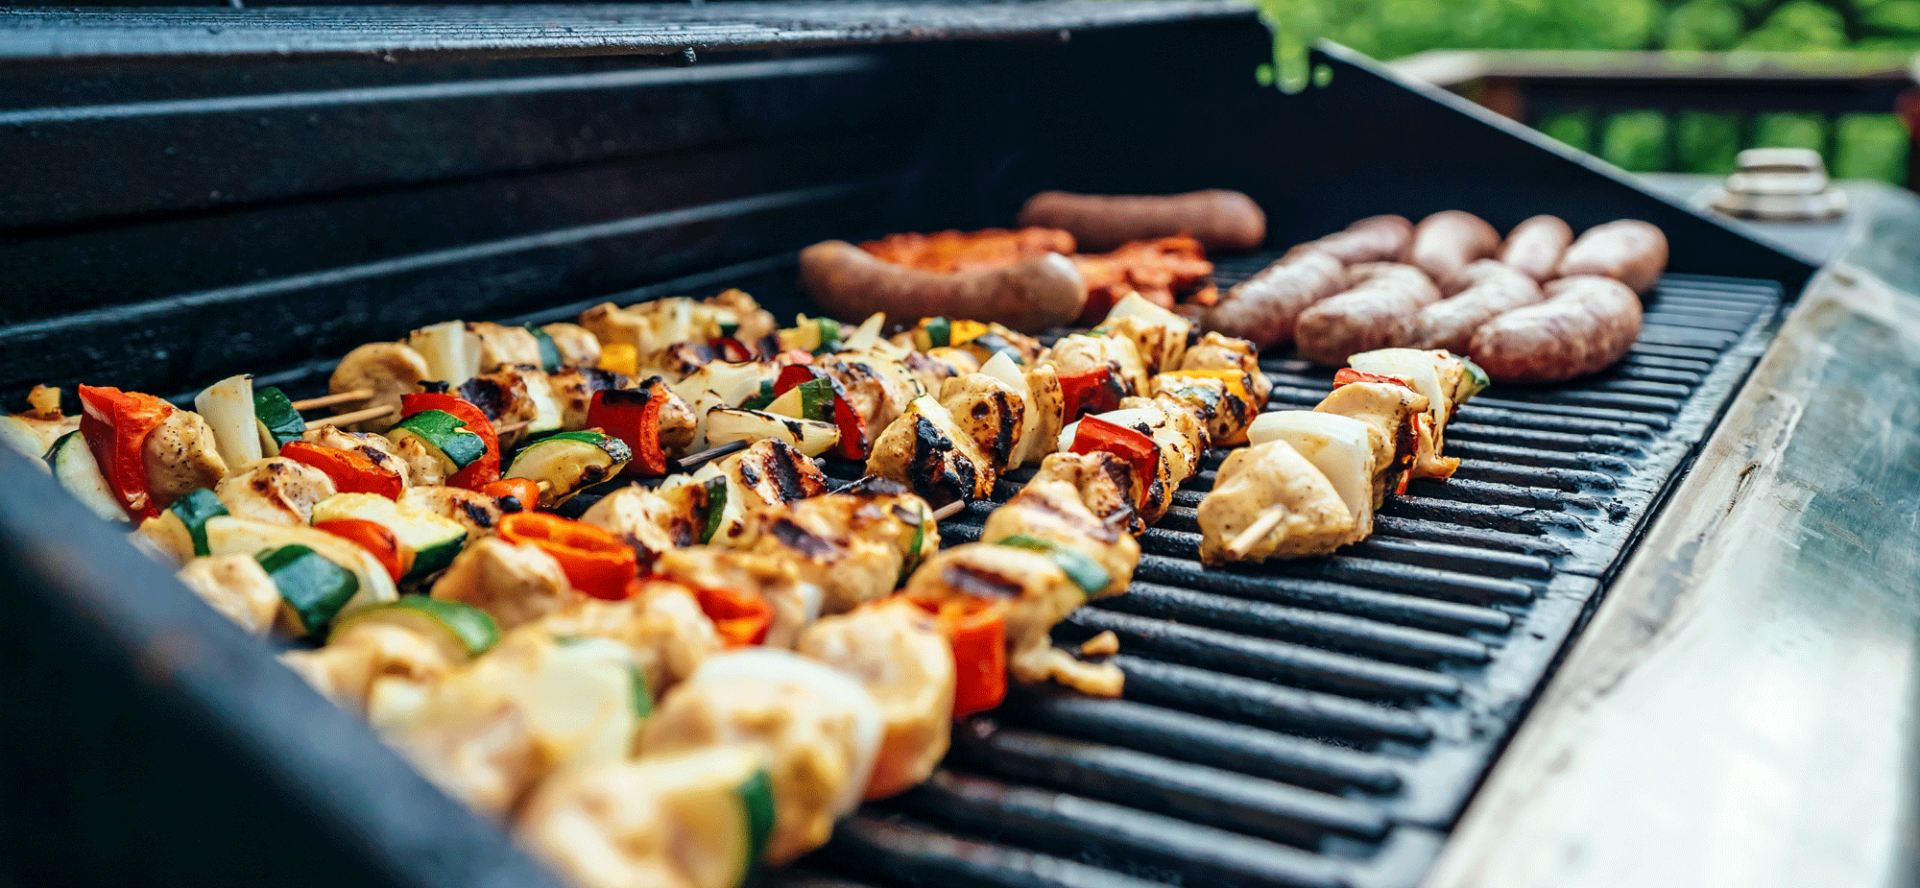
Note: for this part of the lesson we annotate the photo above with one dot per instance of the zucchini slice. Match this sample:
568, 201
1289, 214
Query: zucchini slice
434, 539
193, 511
445, 437
570, 462
312, 589
277, 421
466, 630
1078, 566
228, 408
716, 509
229, 535
727, 424
21, 435
75, 468
549, 353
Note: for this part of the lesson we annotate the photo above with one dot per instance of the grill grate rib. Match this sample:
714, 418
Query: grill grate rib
1323, 721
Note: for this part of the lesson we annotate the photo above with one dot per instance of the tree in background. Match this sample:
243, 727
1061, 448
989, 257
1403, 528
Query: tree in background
1868, 145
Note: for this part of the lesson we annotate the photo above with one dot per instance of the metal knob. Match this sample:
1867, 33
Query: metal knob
1779, 185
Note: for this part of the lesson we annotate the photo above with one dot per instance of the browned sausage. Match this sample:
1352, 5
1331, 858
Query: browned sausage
1373, 239
1450, 323
1031, 296
1587, 323
1629, 251
1536, 245
1446, 241
1363, 318
1223, 221
1262, 309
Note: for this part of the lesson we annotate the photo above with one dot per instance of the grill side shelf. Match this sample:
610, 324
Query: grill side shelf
1325, 721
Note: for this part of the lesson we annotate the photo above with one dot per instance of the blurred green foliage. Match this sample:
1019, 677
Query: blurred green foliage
1861, 146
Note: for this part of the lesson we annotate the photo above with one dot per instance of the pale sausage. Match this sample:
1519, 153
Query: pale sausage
1363, 318
1450, 323
1373, 239
1262, 309
1587, 323
1030, 296
1629, 251
1536, 245
1446, 241
1222, 221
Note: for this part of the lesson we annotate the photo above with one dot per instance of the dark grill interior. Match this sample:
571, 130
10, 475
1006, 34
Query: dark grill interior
1321, 721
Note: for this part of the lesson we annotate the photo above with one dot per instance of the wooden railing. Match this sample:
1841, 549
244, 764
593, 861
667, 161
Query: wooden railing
1533, 85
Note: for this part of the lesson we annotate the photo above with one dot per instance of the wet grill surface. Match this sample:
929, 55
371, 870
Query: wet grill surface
1323, 721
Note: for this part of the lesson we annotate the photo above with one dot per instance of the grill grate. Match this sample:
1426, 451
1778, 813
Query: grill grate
1324, 721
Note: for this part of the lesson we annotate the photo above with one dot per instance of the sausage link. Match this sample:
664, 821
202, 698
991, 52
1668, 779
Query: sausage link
1536, 245
1373, 239
1222, 221
1446, 241
1363, 318
1450, 323
1029, 296
1629, 251
1262, 309
1587, 323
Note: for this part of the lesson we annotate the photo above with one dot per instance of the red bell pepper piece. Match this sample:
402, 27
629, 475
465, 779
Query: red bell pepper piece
596, 562
853, 442
741, 616
351, 472
115, 426
377, 539
1096, 434
525, 491
480, 472
1350, 375
633, 416
976, 628
1093, 390
731, 350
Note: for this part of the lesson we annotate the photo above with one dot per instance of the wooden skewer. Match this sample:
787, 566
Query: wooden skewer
355, 416
695, 460
330, 400
1269, 519
511, 427
949, 510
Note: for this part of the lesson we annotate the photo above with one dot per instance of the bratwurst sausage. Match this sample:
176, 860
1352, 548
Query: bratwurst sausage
1587, 323
1222, 221
1030, 296
1629, 251
1262, 309
1450, 323
1363, 318
1446, 241
1373, 239
1536, 245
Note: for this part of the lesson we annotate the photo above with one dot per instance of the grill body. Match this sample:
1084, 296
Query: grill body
187, 212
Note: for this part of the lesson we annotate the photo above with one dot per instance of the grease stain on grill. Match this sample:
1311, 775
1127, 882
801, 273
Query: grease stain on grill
1323, 721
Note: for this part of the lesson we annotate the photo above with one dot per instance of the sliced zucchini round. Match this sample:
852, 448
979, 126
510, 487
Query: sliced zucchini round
467, 630
229, 535
444, 435
312, 588
193, 511
570, 462
77, 471
549, 353
277, 421
1078, 566
435, 539
723, 798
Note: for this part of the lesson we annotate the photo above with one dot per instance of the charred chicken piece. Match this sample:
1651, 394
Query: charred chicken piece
927, 451
662, 626
471, 509
1038, 594
1270, 502
514, 584
274, 490
499, 344
1217, 352
1081, 352
1389, 411
987, 411
1220, 405
854, 546
652, 521
894, 649
181, 457
790, 588
577, 345
236, 586
873, 391
1074, 502
1159, 335
388, 369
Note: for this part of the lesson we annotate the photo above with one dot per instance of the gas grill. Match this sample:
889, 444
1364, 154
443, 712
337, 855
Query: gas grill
203, 192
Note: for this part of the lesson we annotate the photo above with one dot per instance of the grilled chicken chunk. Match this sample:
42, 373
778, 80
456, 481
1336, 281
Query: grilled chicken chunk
820, 727
788, 587
1389, 411
652, 521
388, 369
1270, 502
987, 411
661, 626
236, 586
514, 584
1046, 405
1159, 335
927, 451
770, 472
1220, 405
1081, 352
367, 651
1074, 502
508, 398
1038, 593
896, 651
1217, 352
874, 392
476, 511
854, 546
485, 758
274, 490
930, 369
1338, 447
577, 345
181, 457
755, 323
573, 389
499, 344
